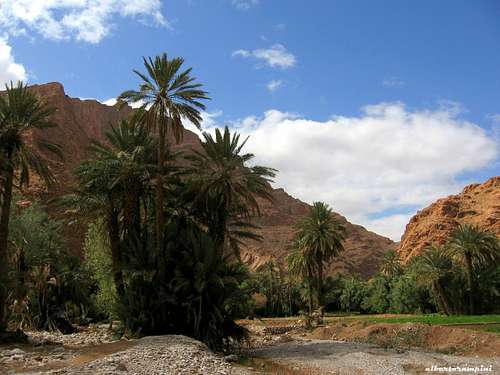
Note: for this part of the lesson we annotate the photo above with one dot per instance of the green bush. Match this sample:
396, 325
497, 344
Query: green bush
377, 295
97, 258
200, 295
353, 293
51, 288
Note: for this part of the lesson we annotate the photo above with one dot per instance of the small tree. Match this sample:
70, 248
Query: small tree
433, 267
319, 238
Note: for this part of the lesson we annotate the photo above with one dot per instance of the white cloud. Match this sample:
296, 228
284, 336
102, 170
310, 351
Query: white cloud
84, 20
393, 82
274, 56
112, 101
274, 85
373, 168
245, 4
242, 53
9, 69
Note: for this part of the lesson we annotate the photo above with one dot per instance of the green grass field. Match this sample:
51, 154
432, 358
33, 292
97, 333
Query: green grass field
434, 319
488, 323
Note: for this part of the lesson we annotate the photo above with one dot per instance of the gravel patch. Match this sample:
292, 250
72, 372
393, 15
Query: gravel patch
94, 335
344, 358
154, 355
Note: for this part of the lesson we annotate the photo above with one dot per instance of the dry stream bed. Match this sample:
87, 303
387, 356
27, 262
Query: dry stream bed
281, 348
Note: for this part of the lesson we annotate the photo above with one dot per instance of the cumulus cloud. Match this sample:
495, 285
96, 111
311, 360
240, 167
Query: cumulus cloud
275, 56
274, 85
84, 20
244, 4
9, 69
376, 168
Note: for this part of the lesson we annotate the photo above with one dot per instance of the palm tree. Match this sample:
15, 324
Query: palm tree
391, 264
226, 189
320, 236
167, 96
433, 267
20, 113
111, 185
470, 245
301, 264
130, 151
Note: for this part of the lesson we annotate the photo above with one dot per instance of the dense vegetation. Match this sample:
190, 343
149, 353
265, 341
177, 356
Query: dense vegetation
163, 224
165, 228
429, 283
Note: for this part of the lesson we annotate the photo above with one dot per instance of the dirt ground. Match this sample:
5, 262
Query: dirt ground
358, 347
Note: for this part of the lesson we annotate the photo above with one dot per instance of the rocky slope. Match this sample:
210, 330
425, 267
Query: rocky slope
82, 120
477, 204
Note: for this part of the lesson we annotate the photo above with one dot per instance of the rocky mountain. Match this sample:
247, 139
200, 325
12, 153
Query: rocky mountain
80, 121
477, 204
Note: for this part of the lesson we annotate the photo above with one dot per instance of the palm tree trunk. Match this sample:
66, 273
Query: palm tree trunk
310, 287
218, 232
470, 282
443, 300
116, 255
160, 196
320, 281
132, 211
4, 237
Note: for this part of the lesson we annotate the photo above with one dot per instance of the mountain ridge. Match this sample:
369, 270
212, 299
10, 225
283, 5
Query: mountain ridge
477, 204
81, 121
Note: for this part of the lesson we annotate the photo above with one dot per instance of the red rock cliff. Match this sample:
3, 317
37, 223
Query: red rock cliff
477, 204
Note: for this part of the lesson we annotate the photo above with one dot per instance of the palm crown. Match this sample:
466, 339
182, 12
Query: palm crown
20, 113
320, 234
226, 188
168, 93
473, 247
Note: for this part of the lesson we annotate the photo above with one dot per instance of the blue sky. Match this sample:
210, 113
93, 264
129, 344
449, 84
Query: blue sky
377, 107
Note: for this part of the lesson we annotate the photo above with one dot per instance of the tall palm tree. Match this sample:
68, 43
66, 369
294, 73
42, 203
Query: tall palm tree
322, 237
470, 245
226, 189
20, 113
167, 96
433, 267
111, 184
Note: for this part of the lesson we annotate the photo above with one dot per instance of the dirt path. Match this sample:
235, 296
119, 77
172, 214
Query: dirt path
343, 358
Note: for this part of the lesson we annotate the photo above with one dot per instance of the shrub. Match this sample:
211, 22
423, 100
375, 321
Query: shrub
98, 260
353, 293
52, 288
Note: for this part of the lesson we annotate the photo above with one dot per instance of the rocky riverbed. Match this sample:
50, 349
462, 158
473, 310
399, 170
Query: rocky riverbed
284, 349
96, 352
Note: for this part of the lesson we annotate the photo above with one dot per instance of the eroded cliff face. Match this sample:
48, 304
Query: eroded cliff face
364, 250
477, 204
80, 121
